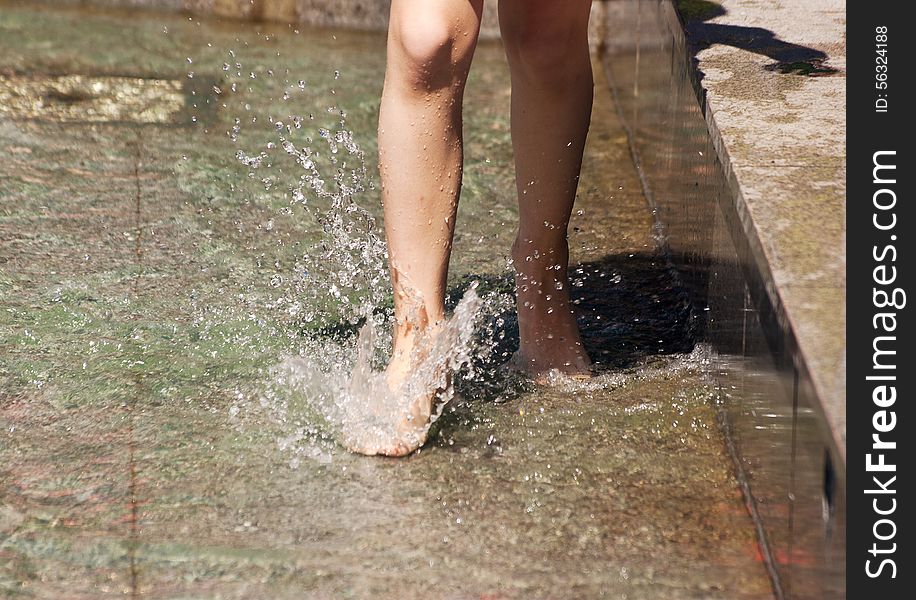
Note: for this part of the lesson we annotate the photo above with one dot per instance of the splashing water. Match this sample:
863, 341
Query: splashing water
348, 266
342, 282
361, 401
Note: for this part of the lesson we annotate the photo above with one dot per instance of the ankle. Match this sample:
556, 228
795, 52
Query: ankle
408, 333
541, 283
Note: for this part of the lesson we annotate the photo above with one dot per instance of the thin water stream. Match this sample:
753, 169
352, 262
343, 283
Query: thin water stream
160, 274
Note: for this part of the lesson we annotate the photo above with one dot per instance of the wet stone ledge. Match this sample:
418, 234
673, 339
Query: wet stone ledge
745, 173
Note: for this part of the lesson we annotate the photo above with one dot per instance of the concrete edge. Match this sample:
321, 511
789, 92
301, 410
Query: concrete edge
836, 424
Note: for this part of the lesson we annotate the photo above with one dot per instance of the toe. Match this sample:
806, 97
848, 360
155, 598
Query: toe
406, 445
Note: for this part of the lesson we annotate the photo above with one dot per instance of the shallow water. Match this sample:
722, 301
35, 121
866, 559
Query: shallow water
150, 294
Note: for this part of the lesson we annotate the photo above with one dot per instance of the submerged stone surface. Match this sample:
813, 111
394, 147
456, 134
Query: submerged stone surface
146, 448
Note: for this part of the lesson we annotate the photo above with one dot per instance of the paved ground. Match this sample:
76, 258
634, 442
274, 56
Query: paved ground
146, 451
782, 137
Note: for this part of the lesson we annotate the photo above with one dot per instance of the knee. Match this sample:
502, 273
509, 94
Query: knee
425, 51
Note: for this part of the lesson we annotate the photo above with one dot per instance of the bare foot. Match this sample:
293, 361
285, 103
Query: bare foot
397, 407
549, 339
416, 397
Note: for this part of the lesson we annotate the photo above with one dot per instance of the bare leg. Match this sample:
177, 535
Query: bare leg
547, 46
430, 47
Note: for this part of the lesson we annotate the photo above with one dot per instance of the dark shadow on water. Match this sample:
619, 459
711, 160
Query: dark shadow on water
789, 58
631, 307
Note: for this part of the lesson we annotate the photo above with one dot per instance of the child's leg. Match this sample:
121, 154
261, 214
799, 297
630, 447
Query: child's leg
430, 47
547, 45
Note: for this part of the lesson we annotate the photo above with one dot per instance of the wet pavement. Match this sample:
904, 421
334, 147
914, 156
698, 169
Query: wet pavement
142, 454
709, 96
